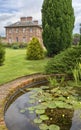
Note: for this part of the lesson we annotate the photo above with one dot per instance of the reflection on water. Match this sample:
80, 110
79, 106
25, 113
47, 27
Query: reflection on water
76, 120
18, 121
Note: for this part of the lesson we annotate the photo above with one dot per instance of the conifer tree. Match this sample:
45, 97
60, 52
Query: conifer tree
58, 23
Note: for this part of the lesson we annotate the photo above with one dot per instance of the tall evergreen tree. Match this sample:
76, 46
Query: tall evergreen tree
57, 22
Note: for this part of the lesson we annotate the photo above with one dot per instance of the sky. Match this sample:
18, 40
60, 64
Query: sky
12, 10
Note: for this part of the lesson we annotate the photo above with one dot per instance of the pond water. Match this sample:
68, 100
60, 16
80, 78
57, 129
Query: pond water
23, 115
15, 120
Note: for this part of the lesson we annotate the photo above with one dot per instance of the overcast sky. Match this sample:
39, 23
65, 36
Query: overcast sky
12, 10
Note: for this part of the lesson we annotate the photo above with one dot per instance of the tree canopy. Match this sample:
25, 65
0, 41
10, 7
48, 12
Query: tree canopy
58, 23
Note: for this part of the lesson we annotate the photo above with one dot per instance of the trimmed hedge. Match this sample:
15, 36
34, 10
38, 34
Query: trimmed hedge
65, 61
2, 54
35, 50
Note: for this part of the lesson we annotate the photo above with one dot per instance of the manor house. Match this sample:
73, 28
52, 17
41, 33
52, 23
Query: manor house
23, 31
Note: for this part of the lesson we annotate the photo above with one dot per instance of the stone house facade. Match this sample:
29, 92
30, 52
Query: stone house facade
23, 31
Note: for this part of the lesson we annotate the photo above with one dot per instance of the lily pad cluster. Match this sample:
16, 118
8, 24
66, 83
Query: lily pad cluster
47, 97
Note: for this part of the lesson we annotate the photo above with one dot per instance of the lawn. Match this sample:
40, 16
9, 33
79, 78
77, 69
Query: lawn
16, 65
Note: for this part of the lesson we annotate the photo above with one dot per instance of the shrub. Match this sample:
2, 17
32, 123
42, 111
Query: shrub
2, 54
22, 45
34, 50
7, 45
65, 61
15, 46
45, 51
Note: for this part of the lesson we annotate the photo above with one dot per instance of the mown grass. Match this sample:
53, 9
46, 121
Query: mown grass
16, 65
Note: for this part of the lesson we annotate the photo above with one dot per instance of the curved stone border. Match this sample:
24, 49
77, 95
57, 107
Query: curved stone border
8, 89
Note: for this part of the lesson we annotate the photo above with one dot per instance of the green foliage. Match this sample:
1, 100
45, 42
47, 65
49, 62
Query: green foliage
57, 23
80, 35
54, 82
34, 50
76, 39
77, 73
65, 61
15, 46
64, 98
22, 45
2, 54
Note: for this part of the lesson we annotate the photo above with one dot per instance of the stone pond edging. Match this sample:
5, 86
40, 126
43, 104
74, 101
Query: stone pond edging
9, 89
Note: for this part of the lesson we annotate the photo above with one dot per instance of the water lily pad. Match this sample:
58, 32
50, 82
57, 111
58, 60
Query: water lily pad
77, 105
40, 111
52, 105
60, 104
41, 106
38, 121
55, 90
31, 101
61, 98
54, 127
44, 117
22, 111
31, 108
31, 112
43, 127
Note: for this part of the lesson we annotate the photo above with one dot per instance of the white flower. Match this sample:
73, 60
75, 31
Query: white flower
67, 97
39, 100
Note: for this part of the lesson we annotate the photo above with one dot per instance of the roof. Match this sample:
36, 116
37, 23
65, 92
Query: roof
23, 24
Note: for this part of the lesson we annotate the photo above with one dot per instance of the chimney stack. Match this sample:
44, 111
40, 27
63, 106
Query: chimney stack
35, 22
23, 19
26, 19
29, 19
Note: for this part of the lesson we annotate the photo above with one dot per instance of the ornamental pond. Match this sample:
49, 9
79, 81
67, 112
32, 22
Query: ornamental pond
46, 108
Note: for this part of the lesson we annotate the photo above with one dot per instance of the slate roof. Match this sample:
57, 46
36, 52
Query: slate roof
24, 24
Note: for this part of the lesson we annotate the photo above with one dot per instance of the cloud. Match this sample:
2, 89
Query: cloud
12, 10
77, 12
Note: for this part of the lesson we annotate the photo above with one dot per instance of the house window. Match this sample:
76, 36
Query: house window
17, 30
10, 40
30, 30
10, 30
16, 39
24, 30
24, 39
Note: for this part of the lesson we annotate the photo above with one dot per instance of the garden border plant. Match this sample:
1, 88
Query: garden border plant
2, 54
35, 50
64, 62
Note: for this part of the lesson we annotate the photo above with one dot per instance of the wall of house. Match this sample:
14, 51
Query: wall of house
23, 34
